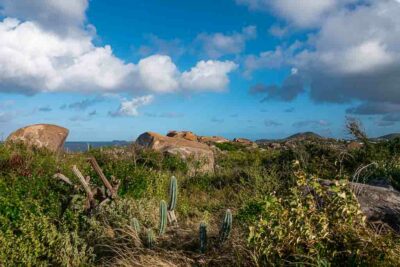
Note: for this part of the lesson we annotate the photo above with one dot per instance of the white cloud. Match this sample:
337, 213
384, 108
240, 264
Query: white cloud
301, 13
130, 107
33, 59
352, 55
219, 44
208, 75
158, 73
57, 15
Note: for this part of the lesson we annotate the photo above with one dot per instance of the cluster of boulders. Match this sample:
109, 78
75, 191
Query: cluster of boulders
197, 150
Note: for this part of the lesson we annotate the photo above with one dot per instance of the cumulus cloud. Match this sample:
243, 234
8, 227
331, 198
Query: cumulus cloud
219, 44
37, 55
208, 75
56, 15
352, 55
301, 13
159, 73
32, 60
129, 108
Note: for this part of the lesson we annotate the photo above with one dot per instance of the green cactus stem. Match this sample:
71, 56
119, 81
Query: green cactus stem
136, 225
226, 226
150, 238
163, 217
173, 195
203, 237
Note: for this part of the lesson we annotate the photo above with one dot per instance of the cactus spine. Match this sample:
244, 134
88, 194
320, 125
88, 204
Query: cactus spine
173, 195
135, 224
150, 238
163, 217
203, 237
226, 226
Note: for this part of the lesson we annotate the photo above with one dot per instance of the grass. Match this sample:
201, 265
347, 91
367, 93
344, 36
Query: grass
43, 221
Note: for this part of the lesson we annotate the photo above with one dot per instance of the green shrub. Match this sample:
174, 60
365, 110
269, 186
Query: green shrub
230, 146
314, 225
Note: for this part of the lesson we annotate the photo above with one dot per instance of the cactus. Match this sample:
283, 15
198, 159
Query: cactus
150, 238
135, 224
173, 195
203, 237
173, 191
226, 226
163, 217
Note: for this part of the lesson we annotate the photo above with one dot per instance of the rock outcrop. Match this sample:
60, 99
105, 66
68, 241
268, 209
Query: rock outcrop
47, 136
379, 204
191, 151
245, 142
183, 134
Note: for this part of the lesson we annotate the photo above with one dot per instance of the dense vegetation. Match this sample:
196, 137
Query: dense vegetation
43, 221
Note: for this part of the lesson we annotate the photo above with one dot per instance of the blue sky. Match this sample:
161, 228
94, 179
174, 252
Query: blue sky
244, 68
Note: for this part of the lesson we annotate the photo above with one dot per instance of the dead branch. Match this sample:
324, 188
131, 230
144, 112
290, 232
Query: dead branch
63, 178
107, 184
90, 196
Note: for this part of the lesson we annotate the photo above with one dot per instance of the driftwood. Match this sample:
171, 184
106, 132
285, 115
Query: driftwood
96, 196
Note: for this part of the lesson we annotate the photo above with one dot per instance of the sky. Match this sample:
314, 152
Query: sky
111, 70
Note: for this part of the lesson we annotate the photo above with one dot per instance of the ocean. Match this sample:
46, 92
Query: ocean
83, 146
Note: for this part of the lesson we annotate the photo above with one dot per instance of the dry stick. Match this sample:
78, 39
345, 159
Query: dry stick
85, 185
103, 178
63, 178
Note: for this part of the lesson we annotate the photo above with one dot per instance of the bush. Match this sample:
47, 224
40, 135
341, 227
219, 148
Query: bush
315, 225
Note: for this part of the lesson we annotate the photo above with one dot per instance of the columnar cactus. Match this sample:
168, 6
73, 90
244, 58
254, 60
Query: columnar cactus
150, 238
135, 224
173, 195
226, 226
203, 237
163, 217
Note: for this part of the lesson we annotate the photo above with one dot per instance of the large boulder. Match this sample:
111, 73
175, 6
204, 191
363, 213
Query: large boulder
183, 134
190, 151
379, 204
47, 136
